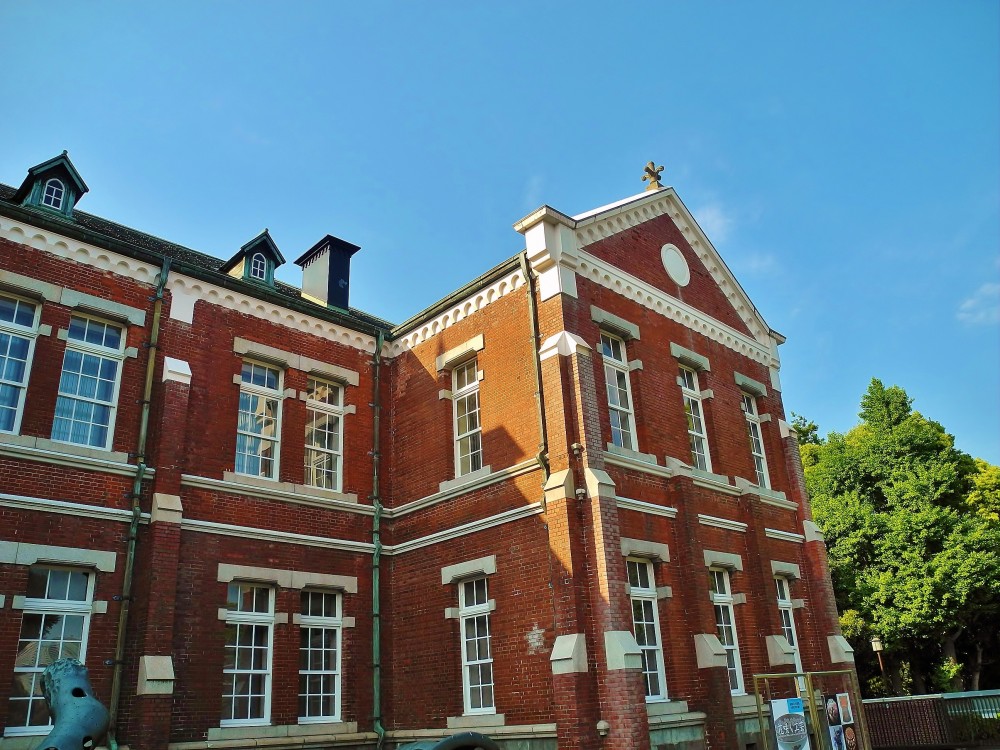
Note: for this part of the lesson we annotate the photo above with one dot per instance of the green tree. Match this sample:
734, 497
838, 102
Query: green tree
806, 431
985, 496
914, 544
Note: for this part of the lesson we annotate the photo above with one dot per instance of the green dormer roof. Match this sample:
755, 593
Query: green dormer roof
60, 167
262, 243
242, 264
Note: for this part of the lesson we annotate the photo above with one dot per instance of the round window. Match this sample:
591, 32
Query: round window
675, 265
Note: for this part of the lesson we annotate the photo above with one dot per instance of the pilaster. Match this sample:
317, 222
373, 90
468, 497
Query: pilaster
583, 521
157, 567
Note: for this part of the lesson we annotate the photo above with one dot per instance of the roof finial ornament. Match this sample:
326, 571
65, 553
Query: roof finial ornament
653, 175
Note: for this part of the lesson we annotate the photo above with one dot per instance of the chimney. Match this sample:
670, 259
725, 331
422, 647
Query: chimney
326, 272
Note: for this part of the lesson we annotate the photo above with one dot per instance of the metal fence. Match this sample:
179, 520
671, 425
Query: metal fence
945, 721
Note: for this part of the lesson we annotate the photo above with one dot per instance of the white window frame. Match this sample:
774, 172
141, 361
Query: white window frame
258, 267
476, 614
14, 330
327, 624
645, 597
783, 585
756, 438
694, 413
86, 348
468, 437
47, 198
722, 601
253, 390
316, 408
52, 607
616, 365
230, 675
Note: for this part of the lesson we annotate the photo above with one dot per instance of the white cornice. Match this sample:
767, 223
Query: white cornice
63, 507
608, 221
462, 309
185, 290
64, 247
658, 301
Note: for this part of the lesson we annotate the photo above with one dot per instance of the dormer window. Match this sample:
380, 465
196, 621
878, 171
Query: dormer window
258, 267
54, 185
256, 261
53, 194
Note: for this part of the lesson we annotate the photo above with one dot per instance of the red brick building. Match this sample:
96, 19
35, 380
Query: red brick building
561, 507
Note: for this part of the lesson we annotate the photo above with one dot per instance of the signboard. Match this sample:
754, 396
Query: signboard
790, 729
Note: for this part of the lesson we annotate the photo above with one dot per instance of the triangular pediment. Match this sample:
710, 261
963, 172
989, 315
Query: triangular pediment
594, 228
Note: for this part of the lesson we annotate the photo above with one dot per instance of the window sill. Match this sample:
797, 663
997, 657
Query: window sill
253, 731
472, 721
766, 495
746, 703
67, 454
274, 485
664, 706
647, 458
471, 478
307, 727
719, 482
245, 729
672, 714
626, 461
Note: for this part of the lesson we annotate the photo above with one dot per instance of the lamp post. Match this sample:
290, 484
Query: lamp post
878, 648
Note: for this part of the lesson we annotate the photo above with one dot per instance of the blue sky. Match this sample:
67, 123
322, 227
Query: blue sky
843, 157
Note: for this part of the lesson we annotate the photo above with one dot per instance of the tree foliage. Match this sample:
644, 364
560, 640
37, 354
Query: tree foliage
985, 496
913, 538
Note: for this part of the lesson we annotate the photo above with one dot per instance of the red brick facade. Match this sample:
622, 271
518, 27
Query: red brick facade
546, 522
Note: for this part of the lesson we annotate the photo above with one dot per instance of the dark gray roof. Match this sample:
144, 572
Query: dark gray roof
126, 237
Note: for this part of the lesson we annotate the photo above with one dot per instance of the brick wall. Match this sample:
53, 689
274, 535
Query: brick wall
559, 568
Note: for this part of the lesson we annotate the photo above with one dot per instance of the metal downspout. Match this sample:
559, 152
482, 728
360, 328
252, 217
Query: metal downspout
133, 531
376, 542
543, 453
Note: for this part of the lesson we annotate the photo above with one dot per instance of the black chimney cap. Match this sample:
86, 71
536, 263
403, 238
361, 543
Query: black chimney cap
334, 243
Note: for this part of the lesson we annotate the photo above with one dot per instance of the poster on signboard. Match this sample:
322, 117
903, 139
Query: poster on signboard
790, 729
844, 703
850, 737
835, 721
847, 721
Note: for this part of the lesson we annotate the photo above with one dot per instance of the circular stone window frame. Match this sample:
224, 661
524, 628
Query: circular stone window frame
675, 264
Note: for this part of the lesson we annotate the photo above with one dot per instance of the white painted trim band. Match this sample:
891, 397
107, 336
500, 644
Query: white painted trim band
722, 523
641, 506
786, 536
46, 505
